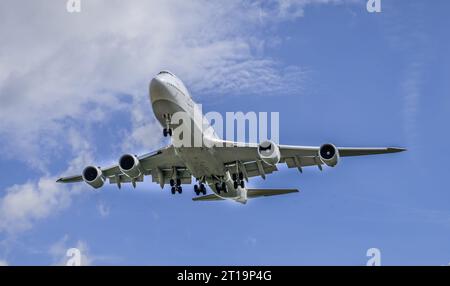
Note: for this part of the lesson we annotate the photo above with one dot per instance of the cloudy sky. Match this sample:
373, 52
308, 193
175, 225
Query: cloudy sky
74, 91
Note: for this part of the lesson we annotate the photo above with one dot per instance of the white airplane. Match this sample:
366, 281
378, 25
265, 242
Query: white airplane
223, 165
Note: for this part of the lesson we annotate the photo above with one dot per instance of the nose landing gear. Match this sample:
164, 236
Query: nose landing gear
167, 131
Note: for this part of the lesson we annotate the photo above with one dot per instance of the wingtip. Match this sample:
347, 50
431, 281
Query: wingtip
396, 149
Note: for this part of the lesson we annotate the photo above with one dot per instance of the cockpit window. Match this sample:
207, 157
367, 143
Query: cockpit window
165, 72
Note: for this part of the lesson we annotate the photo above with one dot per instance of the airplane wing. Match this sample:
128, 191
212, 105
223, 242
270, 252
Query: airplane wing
160, 164
246, 156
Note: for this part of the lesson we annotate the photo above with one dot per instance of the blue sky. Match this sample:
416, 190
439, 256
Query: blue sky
74, 91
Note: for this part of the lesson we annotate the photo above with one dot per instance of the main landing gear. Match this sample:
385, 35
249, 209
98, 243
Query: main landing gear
176, 186
167, 130
238, 180
221, 187
200, 189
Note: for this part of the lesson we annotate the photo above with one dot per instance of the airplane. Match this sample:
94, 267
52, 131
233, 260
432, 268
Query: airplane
223, 165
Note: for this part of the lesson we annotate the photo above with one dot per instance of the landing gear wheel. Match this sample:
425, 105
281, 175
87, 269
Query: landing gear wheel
234, 176
241, 176
197, 192
172, 182
180, 189
202, 189
173, 190
167, 131
242, 184
235, 184
224, 187
178, 182
218, 188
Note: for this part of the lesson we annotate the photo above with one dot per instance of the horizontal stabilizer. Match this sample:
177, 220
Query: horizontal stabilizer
251, 193
254, 193
211, 197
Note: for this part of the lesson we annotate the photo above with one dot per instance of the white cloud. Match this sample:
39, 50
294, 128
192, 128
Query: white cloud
291, 9
103, 209
3, 263
24, 204
141, 137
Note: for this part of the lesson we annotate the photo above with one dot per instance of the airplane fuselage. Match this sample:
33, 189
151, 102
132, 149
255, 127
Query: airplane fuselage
169, 96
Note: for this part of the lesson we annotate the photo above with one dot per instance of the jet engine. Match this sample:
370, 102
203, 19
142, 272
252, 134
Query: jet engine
329, 155
93, 176
130, 166
269, 152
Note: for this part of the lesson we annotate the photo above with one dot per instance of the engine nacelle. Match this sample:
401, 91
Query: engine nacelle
130, 166
93, 176
269, 152
329, 155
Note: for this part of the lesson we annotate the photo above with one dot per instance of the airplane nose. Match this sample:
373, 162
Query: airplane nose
158, 89
157, 83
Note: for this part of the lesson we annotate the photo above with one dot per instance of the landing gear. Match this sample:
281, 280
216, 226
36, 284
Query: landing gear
197, 192
203, 189
167, 130
238, 180
200, 189
218, 188
175, 187
221, 187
